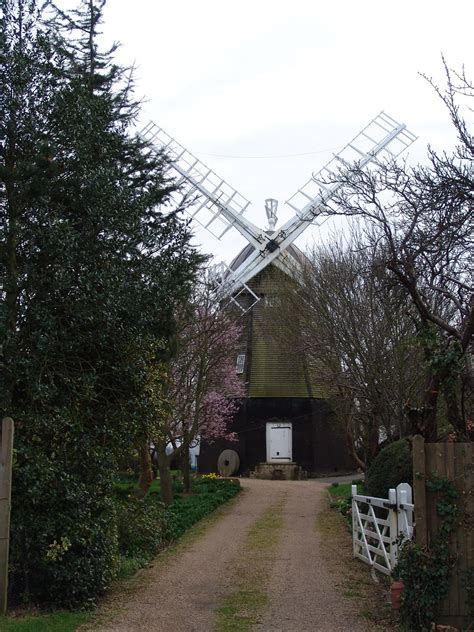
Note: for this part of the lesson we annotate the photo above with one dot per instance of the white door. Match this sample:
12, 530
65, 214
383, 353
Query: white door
279, 440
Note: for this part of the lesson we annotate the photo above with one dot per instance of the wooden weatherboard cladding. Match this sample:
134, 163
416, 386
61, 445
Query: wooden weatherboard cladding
273, 371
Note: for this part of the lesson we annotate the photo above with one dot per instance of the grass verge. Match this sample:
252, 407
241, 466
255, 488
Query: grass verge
344, 490
340, 498
54, 622
353, 576
240, 610
125, 589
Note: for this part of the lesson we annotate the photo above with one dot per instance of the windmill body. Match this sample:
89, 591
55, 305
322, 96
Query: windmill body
285, 423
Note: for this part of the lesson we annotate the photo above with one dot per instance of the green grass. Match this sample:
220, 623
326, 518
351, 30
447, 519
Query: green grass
128, 566
344, 490
241, 610
129, 484
352, 576
55, 622
340, 496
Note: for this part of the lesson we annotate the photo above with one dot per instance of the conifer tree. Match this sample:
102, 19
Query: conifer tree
96, 268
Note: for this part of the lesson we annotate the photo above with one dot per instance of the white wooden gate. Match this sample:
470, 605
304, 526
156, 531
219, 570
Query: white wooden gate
379, 525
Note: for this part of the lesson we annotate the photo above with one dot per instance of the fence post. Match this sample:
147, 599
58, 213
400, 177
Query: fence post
419, 488
405, 515
354, 520
6, 458
392, 499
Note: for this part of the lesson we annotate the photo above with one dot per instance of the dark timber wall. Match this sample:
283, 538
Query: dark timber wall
318, 446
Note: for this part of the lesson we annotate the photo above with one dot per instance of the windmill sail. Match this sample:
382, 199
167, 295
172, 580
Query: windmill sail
382, 137
218, 206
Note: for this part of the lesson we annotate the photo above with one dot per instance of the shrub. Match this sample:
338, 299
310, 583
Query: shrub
142, 526
393, 465
63, 537
341, 498
342, 505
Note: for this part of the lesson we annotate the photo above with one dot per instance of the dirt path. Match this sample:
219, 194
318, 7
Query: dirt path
184, 594
302, 593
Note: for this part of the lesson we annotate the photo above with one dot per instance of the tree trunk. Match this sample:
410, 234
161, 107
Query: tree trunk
423, 420
455, 417
373, 438
166, 483
11, 271
351, 446
186, 468
145, 478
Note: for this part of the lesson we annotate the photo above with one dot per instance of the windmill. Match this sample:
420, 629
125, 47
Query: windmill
278, 394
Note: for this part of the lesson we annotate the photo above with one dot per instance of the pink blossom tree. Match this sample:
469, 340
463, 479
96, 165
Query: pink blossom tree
203, 387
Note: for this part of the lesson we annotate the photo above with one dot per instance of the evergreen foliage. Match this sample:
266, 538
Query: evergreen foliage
142, 527
94, 270
392, 465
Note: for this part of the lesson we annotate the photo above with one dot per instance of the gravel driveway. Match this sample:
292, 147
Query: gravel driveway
182, 595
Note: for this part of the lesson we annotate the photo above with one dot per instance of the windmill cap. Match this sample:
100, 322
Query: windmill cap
245, 253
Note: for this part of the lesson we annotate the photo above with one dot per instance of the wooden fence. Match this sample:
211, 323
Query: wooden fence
454, 461
6, 454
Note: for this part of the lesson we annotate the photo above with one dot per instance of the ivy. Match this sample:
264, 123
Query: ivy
469, 585
426, 571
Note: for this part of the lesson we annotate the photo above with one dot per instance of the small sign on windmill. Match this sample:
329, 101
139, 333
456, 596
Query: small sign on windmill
283, 404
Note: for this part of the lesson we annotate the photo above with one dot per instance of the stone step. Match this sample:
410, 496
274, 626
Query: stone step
279, 471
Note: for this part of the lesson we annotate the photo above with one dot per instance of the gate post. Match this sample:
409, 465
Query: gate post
405, 514
392, 499
354, 520
6, 458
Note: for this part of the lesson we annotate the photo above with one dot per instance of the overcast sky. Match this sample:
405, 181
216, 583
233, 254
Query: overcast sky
252, 80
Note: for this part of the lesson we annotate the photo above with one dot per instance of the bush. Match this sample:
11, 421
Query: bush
393, 465
64, 538
142, 527
69, 528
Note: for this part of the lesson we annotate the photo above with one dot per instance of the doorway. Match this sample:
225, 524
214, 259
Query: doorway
279, 442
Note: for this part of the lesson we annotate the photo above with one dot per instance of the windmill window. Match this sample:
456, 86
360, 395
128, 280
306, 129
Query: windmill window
240, 364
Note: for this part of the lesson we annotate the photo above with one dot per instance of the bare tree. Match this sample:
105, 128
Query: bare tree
343, 316
421, 219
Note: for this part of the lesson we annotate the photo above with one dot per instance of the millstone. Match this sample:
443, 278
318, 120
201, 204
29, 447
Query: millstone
228, 463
